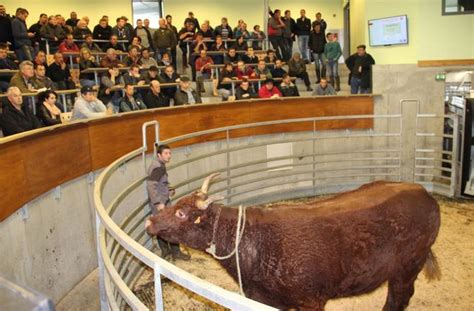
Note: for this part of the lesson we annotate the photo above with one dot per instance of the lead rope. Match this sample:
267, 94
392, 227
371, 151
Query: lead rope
238, 237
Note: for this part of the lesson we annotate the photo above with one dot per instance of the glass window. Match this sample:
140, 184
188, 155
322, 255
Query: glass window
452, 7
150, 9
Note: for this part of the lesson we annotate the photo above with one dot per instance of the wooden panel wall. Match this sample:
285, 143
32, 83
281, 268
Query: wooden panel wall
36, 162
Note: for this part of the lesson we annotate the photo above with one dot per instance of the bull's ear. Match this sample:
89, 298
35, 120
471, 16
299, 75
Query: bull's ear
150, 227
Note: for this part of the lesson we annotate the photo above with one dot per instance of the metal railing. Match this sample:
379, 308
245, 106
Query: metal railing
323, 161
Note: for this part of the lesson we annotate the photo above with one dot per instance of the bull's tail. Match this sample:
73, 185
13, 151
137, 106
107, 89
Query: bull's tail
431, 269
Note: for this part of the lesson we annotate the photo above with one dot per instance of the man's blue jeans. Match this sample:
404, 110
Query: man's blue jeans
303, 46
356, 86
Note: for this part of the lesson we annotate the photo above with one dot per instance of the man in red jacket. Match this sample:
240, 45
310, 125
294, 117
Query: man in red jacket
268, 90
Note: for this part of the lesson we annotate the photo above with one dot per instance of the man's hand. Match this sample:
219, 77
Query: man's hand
160, 207
109, 111
172, 193
360, 69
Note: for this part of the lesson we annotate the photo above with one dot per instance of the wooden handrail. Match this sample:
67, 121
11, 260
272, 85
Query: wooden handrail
446, 62
35, 162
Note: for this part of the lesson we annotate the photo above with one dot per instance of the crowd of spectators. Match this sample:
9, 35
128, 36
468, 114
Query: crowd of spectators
139, 60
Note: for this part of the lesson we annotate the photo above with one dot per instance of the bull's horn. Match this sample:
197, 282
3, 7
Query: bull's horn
207, 181
201, 204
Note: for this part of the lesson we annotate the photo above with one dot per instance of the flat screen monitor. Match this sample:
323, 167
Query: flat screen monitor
388, 31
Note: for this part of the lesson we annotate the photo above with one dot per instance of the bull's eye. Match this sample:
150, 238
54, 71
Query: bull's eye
180, 214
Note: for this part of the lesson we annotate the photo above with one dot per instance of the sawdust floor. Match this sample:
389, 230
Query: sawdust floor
455, 291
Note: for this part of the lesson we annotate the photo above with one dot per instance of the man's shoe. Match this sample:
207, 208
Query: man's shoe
181, 256
309, 89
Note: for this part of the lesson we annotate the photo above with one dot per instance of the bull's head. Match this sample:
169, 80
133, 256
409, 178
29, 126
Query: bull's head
190, 221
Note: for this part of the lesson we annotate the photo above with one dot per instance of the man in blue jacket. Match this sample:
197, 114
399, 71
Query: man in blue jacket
21, 36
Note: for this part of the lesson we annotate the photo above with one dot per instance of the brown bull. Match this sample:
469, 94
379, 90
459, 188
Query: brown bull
302, 256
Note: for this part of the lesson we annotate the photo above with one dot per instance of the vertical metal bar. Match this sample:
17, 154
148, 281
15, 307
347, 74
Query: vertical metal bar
158, 290
63, 98
96, 77
454, 158
228, 164
33, 104
71, 61
314, 157
102, 295
47, 46
233, 86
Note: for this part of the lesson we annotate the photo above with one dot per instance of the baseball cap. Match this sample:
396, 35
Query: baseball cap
185, 78
87, 89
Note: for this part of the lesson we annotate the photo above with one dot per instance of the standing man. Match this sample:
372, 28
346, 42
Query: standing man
164, 40
317, 42
289, 33
169, 24
275, 34
360, 65
321, 22
332, 53
144, 34
303, 29
159, 193
21, 36
5, 26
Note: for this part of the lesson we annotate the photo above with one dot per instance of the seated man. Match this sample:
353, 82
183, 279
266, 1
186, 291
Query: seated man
131, 102
114, 44
262, 72
155, 98
133, 56
242, 71
89, 44
278, 71
133, 76
268, 90
59, 73
68, 45
110, 59
16, 117
250, 57
186, 95
23, 79
227, 74
151, 75
231, 56
245, 91
297, 68
88, 106
165, 60
41, 80
288, 88
203, 70
324, 88
169, 76
271, 57
146, 61
5, 63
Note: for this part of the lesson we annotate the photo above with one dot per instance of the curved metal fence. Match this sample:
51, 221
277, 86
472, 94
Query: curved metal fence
259, 169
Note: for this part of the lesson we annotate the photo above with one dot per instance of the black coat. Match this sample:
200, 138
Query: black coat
160, 101
168, 91
14, 121
100, 33
317, 41
354, 61
6, 29
43, 114
303, 28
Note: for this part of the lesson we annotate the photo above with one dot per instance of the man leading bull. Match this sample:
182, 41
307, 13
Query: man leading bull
159, 193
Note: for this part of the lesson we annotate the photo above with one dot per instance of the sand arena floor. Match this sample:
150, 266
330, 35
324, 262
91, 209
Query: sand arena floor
454, 249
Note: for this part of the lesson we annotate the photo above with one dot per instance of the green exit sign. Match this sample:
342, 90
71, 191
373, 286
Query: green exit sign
440, 77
